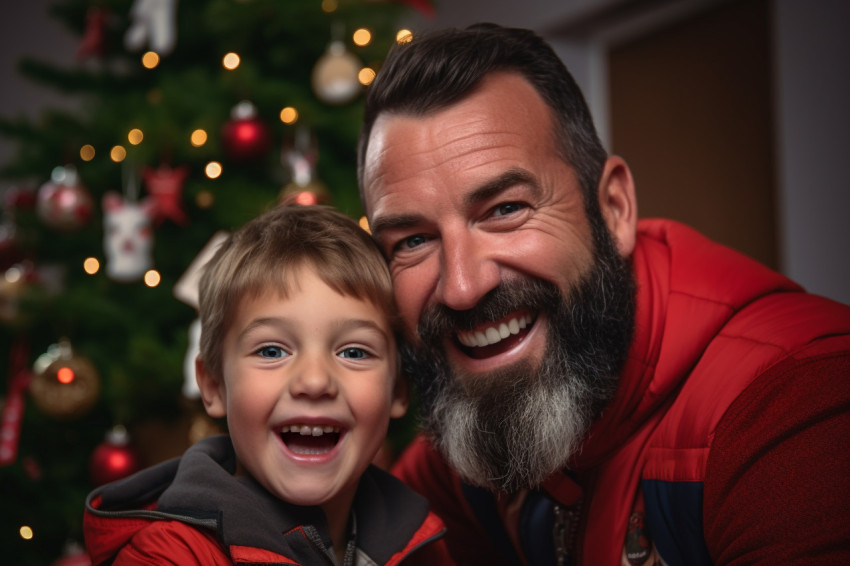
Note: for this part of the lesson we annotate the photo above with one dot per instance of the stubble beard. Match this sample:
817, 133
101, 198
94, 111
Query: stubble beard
514, 427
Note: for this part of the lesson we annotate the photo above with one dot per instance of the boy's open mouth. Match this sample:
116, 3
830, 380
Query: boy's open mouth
310, 440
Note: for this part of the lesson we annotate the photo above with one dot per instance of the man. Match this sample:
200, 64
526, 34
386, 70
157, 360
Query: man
595, 390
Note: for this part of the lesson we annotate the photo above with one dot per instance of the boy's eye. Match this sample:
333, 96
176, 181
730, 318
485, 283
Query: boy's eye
354, 353
272, 352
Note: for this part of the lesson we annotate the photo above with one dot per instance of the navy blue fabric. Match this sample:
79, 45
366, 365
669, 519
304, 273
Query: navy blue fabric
674, 516
536, 526
484, 506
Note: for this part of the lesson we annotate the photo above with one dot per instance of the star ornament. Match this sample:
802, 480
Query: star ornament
165, 185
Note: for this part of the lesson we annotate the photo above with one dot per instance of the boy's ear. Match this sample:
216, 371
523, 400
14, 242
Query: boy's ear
401, 397
212, 390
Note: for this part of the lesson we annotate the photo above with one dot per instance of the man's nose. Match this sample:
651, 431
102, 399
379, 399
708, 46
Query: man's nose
468, 271
313, 377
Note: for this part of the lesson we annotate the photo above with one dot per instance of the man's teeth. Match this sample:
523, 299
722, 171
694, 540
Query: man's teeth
493, 334
311, 430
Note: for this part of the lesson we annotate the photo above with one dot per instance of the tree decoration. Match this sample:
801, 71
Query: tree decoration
63, 203
165, 186
13, 408
300, 159
244, 136
113, 459
65, 385
154, 23
93, 42
334, 77
127, 237
13, 285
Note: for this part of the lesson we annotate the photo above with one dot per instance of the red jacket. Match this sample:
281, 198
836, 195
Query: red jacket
728, 441
193, 511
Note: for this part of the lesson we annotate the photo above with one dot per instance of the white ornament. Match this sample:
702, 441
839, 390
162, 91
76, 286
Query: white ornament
154, 23
335, 75
127, 237
190, 382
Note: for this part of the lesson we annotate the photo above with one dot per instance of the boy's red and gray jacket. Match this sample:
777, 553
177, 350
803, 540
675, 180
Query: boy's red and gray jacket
193, 510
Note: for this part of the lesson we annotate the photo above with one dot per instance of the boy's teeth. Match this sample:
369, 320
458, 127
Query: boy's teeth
493, 334
311, 430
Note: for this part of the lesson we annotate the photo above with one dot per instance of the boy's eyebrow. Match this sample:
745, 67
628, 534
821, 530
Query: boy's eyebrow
341, 323
488, 190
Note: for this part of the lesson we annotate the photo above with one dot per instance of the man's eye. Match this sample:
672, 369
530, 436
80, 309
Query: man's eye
354, 353
508, 208
272, 352
411, 242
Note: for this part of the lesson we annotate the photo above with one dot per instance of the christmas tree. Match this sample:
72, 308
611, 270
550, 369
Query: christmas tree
193, 117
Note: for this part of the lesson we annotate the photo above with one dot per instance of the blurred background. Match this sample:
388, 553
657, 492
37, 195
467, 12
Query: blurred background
134, 132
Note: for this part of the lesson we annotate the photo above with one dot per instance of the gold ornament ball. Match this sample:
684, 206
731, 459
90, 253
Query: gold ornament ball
334, 77
67, 388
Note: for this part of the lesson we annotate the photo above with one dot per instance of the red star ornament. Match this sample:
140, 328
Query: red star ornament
165, 185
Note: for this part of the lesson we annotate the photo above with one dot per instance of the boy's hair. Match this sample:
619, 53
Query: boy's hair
263, 255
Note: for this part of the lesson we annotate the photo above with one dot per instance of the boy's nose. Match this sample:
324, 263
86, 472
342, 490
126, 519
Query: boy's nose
313, 379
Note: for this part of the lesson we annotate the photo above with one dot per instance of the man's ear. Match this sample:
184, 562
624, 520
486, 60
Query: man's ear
401, 397
618, 203
212, 390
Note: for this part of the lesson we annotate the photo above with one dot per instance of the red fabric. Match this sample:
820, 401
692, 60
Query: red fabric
710, 322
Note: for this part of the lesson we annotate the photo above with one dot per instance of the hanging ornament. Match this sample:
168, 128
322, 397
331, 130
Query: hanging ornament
127, 237
93, 43
13, 284
300, 159
165, 186
65, 385
244, 136
334, 77
154, 23
63, 203
113, 459
13, 408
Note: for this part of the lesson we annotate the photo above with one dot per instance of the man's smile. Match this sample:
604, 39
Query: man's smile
496, 337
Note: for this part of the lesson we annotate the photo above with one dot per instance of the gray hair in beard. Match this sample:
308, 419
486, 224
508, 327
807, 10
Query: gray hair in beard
512, 428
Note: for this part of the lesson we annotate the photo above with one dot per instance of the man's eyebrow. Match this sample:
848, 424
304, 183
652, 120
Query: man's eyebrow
506, 180
394, 222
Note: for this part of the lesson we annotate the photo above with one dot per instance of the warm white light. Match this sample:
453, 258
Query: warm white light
404, 36
91, 265
118, 154
152, 278
198, 138
26, 532
135, 136
150, 59
213, 170
366, 76
288, 115
364, 223
231, 61
362, 37
87, 152
329, 6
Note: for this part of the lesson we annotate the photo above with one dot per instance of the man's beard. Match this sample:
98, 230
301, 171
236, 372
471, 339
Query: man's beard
515, 426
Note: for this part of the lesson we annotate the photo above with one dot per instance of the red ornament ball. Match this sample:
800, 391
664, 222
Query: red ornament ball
64, 203
245, 137
114, 459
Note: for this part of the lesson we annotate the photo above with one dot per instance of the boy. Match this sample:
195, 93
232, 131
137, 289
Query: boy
298, 353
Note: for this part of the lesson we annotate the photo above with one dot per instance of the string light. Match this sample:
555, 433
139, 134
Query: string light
91, 265
213, 170
87, 152
288, 115
329, 6
362, 37
230, 61
404, 36
26, 532
150, 59
364, 223
152, 278
135, 136
65, 375
366, 76
118, 154
198, 138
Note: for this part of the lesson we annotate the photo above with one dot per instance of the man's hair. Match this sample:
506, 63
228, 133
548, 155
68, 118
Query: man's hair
265, 254
435, 70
